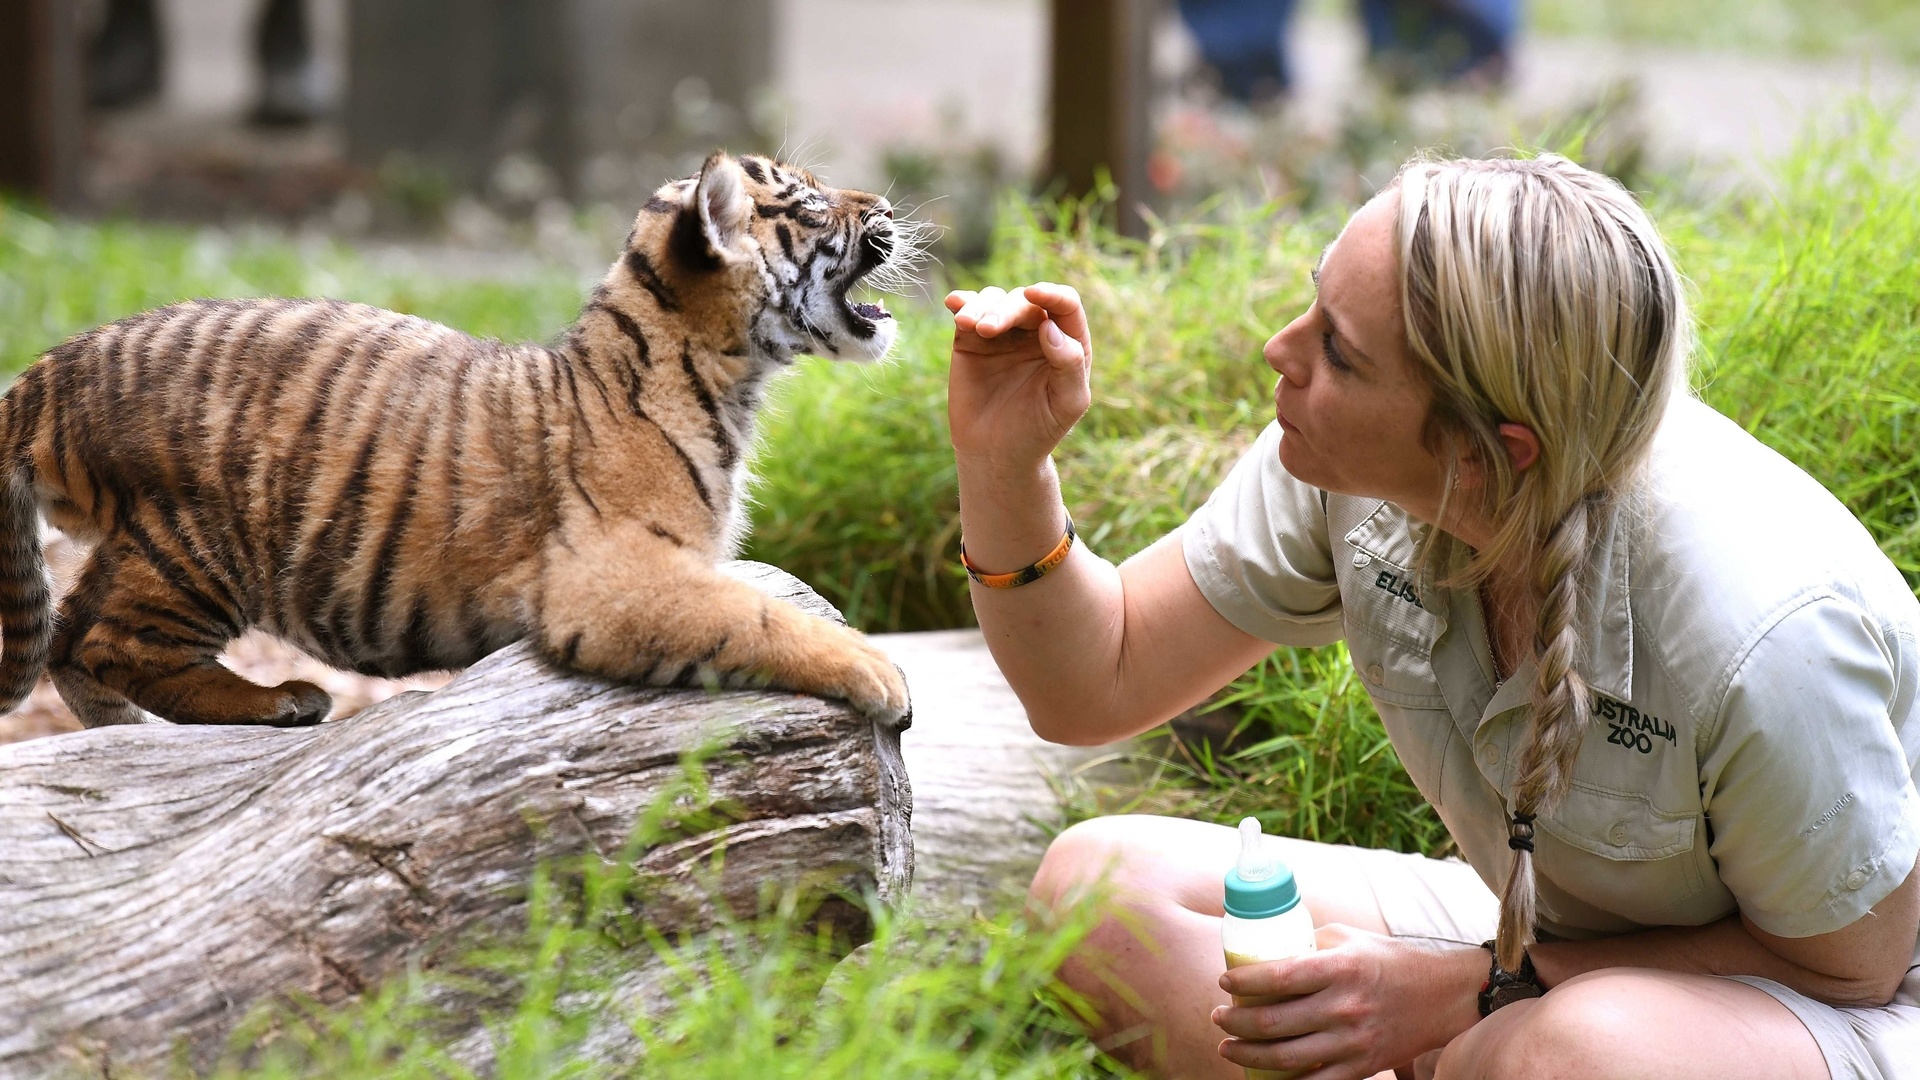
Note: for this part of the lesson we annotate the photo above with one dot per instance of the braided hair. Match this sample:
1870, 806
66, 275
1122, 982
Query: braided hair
1537, 292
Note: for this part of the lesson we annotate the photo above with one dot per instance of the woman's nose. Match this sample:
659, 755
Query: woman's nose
1282, 357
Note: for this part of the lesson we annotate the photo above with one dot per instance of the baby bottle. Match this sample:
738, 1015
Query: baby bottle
1265, 919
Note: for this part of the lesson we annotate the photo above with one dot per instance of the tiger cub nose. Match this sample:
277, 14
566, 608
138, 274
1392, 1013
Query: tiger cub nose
884, 207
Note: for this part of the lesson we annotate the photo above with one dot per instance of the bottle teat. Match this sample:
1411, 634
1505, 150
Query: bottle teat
1260, 885
1256, 862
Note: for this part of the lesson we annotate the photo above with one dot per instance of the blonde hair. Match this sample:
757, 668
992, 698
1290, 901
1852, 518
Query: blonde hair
1537, 292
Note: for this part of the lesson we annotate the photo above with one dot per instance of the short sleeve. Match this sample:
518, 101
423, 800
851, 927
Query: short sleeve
1260, 554
1807, 788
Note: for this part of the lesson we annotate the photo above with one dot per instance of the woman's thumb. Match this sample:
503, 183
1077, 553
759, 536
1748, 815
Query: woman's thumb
1057, 345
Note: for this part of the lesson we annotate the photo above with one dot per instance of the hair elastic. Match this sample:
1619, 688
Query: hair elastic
1520, 832
1025, 574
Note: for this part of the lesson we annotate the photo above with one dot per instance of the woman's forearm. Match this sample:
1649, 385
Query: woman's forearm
1057, 640
1095, 652
1725, 947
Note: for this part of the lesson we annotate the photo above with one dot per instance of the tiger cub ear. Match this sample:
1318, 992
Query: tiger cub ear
712, 231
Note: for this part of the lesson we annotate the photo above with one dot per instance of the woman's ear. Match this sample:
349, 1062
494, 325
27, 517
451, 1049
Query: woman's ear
1522, 445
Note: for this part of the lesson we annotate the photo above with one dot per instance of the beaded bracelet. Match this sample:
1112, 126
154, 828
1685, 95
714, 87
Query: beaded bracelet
1025, 574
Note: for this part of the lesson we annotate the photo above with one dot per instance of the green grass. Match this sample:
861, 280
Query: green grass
1886, 28
1821, 28
763, 996
1810, 337
59, 278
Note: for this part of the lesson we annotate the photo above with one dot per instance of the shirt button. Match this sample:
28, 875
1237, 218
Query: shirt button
1617, 836
1489, 755
1857, 879
1361, 558
1376, 673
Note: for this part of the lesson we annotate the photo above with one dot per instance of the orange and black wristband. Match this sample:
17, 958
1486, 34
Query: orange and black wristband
1025, 574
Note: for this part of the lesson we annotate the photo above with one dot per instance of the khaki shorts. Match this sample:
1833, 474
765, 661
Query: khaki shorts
1445, 900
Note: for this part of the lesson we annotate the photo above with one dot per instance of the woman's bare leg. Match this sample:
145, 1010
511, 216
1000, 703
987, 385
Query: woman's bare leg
1152, 968
1635, 1024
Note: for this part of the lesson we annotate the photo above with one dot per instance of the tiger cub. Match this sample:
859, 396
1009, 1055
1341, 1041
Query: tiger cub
394, 496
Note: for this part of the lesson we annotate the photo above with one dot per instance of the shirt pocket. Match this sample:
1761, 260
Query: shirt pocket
1394, 669
1620, 853
1399, 679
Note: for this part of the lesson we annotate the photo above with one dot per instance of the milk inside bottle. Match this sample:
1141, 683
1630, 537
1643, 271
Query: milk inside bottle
1265, 919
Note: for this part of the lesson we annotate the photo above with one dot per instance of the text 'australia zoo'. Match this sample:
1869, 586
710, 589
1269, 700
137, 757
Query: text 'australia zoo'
1628, 726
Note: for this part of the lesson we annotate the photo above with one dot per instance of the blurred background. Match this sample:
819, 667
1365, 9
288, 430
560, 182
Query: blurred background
535, 126
1183, 162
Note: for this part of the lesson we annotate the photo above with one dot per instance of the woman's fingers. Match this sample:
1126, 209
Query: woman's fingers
976, 307
1053, 311
1283, 1020
1061, 304
1319, 1056
1292, 977
1010, 311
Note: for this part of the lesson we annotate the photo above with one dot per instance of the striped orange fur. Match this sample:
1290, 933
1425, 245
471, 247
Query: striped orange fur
393, 496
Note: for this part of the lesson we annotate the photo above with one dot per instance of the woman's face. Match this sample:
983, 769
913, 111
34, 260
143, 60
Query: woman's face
1350, 402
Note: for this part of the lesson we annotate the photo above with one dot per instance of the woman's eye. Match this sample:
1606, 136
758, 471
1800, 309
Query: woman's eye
1332, 353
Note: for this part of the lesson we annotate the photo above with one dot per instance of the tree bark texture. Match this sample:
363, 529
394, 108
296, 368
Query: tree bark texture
158, 881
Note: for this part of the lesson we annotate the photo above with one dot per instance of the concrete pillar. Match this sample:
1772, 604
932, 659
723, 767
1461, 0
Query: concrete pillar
614, 95
658, 84
458, 84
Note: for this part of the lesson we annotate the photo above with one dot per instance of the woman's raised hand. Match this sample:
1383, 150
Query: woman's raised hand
1019, 377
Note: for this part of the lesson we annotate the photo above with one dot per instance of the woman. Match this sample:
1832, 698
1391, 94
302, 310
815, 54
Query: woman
1659, 685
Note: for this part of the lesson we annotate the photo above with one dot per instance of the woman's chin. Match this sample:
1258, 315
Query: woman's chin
1295, 460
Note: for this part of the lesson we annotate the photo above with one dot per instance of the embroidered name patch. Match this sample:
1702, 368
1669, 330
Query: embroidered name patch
1629, 727
1395, 585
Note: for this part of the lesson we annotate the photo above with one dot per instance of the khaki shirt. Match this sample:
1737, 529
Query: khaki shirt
1753, 659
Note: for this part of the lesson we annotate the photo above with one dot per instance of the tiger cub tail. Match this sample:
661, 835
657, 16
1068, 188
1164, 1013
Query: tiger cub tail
26, 630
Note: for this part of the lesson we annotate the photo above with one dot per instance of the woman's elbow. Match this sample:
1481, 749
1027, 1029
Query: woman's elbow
1868, 993
1078, 727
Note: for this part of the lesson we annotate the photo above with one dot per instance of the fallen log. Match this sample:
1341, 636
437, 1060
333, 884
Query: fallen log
156, 882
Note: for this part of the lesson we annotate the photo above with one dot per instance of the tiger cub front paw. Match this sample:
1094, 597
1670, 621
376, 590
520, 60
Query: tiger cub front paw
871, 682
301, 704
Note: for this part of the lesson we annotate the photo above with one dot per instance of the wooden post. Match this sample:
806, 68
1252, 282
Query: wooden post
1100, 99
41, 112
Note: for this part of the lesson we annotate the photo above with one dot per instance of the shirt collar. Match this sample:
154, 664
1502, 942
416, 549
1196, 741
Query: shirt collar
1388, 534
1609, 630
1391, 536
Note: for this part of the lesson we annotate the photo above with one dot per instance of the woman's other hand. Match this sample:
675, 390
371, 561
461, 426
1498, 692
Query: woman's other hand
1019, 377
1362, 1004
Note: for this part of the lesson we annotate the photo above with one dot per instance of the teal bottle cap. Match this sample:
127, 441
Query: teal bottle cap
1260, 887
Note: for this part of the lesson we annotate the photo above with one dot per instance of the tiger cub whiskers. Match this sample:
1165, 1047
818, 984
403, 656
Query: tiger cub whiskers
392, 496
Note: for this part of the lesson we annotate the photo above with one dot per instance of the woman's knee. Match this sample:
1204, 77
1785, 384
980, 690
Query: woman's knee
1138, 860
1574, 1031
1081, 859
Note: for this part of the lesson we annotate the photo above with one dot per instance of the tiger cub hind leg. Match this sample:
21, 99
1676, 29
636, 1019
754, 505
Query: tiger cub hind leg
634, 606
134, 639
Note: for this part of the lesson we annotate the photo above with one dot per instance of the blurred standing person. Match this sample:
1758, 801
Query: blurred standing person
1410, 42
125, 58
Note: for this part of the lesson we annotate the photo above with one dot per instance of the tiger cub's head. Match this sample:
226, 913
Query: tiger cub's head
768, 249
